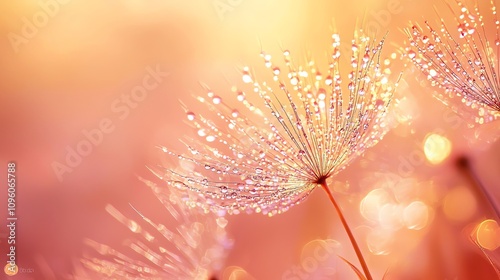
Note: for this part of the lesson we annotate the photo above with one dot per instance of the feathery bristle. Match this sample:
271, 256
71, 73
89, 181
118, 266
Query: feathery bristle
190, 247
462, 59
313, 125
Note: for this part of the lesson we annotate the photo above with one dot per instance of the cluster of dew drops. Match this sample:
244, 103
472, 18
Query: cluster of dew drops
465, 70
270, 190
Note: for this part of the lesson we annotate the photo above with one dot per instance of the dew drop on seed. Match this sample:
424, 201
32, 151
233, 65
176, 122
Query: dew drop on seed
321, 94
246, 77
411, 54
240, 96
216, 99
179, 184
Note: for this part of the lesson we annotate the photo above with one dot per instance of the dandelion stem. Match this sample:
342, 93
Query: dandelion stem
349, 233
464, 165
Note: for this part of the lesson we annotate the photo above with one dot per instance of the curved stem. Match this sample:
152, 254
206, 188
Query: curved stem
349, 233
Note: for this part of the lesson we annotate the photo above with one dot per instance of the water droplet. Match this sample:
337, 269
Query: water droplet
216, 99
411, 54
318, 76
223, 189
258, 170
179, 184
301, 153
351, 86
328, 80
240, 96
321, 94
190, 116
246, 76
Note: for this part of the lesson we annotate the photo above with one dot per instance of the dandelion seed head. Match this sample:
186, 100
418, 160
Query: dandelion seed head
189, 245
461, 58
310, 124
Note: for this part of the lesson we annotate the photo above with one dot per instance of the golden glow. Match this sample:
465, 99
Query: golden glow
436, 148
390, 216
416, 215
459, 204
11, 270
379, 241
406, 109
372, 203
236, 273
488, 234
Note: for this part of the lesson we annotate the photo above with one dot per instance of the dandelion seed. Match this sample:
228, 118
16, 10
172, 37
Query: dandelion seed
310, 130
189, 246
462, 59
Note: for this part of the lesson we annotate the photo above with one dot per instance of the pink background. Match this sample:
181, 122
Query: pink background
64, 79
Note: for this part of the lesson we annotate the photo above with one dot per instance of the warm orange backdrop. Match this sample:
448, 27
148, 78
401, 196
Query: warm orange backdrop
82, 56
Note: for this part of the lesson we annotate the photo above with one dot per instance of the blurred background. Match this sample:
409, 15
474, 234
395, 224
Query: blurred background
88, 89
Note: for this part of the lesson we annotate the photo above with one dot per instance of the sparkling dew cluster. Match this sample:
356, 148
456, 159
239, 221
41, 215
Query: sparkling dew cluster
310, 127
462, 59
